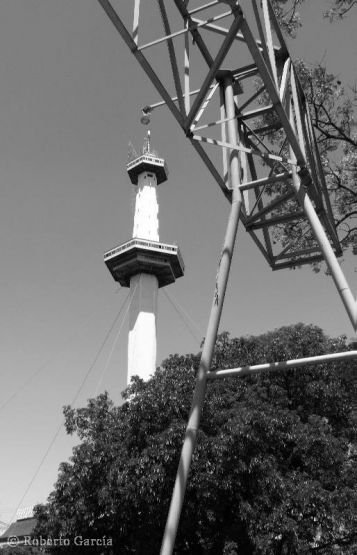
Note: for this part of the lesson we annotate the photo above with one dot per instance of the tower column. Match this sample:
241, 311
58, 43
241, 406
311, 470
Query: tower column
142, 325
143, 263
146, 220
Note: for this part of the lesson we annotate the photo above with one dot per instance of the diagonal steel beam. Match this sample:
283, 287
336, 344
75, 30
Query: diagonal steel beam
212, 168
269, 42
197, 39
203, 108
251, 150
266, 180
299, 184
224, 31
260, 30
214, 68
274, 95
266, 235
172, 55
252, 98
204, 7
120, 27
276, 220
269, 207
283, 48
170, 36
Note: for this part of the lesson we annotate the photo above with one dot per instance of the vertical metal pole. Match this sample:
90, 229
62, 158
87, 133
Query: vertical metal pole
329, 256
261, 32
270, 44
322, 239
224, 137
244, 169
187, 68
136, 21
173, 518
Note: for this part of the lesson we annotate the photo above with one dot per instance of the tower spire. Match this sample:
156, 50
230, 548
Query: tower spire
147, 143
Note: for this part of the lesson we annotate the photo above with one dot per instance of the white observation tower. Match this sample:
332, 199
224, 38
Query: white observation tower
143, 263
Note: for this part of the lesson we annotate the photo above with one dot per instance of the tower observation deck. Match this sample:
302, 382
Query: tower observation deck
144, 263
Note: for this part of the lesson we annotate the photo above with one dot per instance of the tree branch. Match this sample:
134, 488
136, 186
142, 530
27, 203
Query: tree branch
342, 11
353, 213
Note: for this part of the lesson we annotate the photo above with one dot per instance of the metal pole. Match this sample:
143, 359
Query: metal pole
321, 237
173, 518
214, 68
284, 365
329, 256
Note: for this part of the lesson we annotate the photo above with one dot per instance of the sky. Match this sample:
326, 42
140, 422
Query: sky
70, 101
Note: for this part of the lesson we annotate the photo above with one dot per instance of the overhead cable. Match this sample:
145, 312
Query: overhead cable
114, 343
187, 320
56, 434
45, 365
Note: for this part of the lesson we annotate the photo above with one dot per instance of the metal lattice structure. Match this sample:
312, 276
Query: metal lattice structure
282, 181
239, 101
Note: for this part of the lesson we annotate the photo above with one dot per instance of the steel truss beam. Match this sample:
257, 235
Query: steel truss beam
283, 184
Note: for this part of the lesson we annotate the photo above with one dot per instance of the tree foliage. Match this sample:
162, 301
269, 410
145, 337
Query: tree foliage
289, 17
274, 471
340, 8
21, 550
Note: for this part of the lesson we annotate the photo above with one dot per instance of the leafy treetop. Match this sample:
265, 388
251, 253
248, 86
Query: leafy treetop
274, 471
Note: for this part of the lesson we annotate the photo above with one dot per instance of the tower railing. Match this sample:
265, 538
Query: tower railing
147, 158
170, 248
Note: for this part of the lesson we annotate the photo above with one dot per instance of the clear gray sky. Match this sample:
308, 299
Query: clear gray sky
70, 95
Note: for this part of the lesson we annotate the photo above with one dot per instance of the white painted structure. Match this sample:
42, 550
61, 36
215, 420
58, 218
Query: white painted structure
146, 215
144, 287
143, 263
142, 326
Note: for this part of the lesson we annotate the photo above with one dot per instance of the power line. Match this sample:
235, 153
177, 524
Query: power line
37, 470
47, 363
186, 318
100, 349
114, 343
72, 403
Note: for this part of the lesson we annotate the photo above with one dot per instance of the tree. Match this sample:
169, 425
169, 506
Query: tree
340, 8
287, 12
21, 550
274, 471
334, 120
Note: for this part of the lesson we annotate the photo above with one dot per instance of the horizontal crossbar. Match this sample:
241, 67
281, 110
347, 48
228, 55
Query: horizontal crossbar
277, 219
182, 31
266, 181
275, 366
